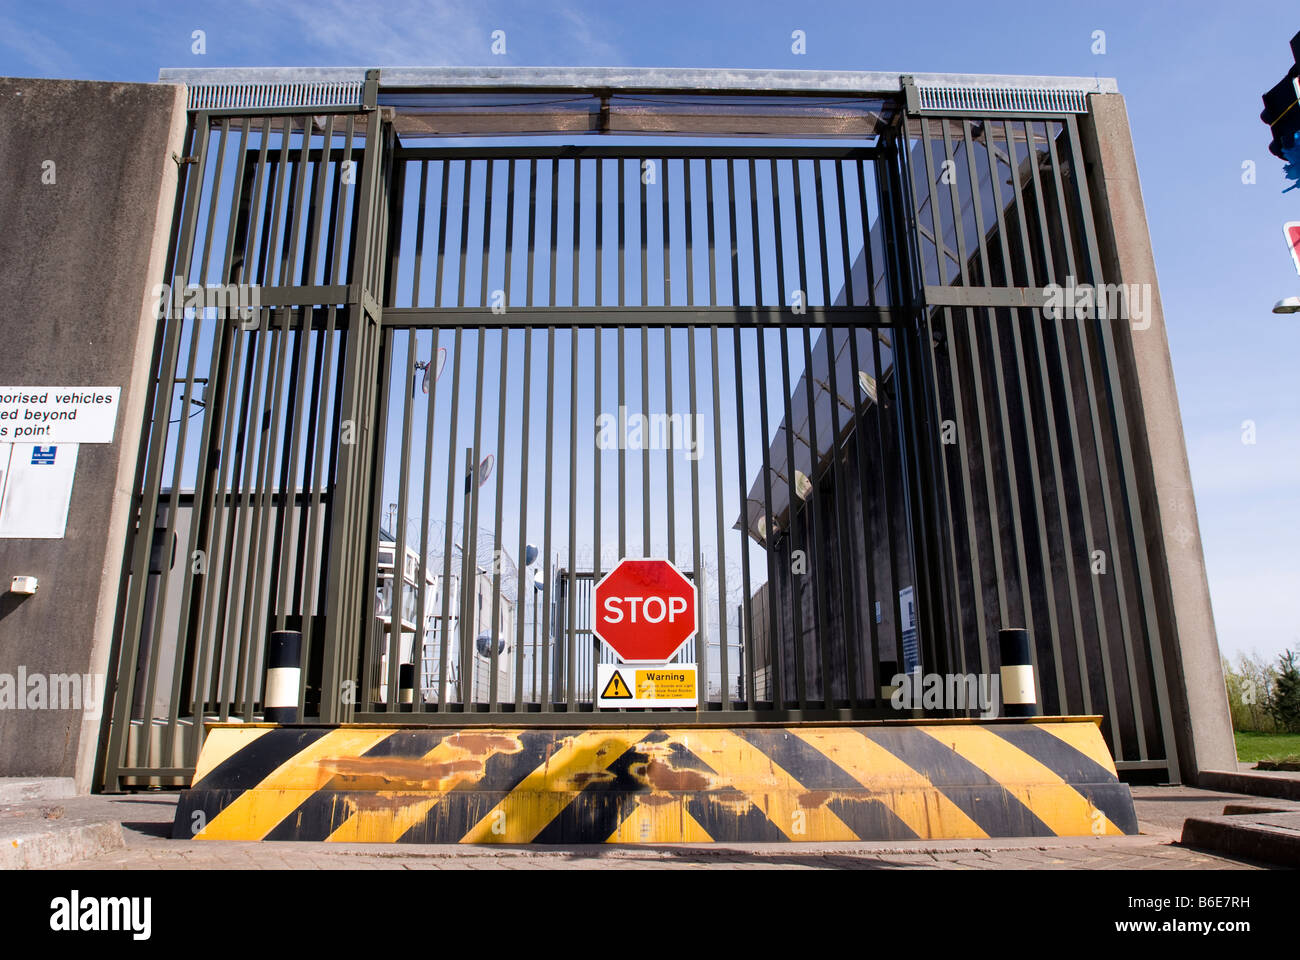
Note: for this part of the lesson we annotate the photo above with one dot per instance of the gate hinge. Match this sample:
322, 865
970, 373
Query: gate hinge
910, 95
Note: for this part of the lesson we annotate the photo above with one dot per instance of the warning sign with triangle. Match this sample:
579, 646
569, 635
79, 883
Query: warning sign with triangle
616, 689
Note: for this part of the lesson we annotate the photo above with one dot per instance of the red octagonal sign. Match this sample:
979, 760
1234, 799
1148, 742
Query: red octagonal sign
645, 610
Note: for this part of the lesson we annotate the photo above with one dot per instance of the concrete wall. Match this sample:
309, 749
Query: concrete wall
1202, 725
79, 257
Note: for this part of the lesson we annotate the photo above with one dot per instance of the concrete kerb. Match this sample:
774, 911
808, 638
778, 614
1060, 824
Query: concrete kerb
1266, 837
29, 789
1281, 785
40, 834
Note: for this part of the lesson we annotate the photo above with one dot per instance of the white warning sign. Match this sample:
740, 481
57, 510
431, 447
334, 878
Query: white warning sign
49, 415
638, 685
35, 489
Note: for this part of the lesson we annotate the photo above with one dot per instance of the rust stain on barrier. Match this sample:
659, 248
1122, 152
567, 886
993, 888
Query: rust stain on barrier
591, 776
479, 744
372, 772
355, 803
813, 798
662, 776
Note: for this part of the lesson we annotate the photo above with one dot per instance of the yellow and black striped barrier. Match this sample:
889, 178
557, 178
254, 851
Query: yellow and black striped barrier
893, 780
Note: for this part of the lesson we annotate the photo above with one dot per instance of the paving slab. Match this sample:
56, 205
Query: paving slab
145, 821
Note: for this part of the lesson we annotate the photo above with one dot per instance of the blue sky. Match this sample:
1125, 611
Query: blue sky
1192, 75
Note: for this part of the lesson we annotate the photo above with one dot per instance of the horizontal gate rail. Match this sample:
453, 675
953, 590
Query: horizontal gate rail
431, 317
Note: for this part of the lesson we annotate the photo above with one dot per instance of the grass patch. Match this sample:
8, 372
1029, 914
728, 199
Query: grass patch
1253, 747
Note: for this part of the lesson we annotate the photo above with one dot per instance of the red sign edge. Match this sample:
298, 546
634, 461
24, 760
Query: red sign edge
595, 607
1292, 245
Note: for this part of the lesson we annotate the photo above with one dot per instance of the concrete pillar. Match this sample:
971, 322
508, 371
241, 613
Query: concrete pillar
83, 242
1199, 703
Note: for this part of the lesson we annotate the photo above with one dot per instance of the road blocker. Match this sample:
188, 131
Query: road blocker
657, 783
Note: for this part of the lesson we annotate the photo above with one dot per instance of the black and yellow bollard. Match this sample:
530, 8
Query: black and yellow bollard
283, 675
1019, 691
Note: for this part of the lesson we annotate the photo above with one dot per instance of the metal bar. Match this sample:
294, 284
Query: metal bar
547, 705
796, 593
252, 440
152, 450
895, 601
339, 589
220, 597
424, 318
954, 367
644, 225
469, 545
596, 456
395, 630
671, 499
701, 617
464, 230
1049, 418
377, 634
421, 570
448, 540
190, 613
745, 613
520, 592
1066, 380
498, 554
646, 548
1036, 490
1128, 487
1000, 387
570, 587
954, 623
555, 226
717, 450
600, 231
634, 151
849, 568
718, 508
828, 336
577, 230
622, 452
669, 467
178, 464
776, 632
977, 382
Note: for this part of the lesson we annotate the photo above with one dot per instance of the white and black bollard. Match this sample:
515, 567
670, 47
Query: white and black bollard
283, 674
1019, 692
406, 683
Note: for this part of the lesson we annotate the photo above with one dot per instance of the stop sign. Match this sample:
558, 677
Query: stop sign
645, 610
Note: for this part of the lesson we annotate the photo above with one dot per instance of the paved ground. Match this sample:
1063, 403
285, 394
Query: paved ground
146, 820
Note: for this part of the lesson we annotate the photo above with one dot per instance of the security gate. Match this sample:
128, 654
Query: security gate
467, 379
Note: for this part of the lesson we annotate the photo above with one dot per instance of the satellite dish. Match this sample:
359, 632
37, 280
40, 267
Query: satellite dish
802, 485
436, 364
539, 582
868, 384
484, 644
484, 471
530, 554
760, 523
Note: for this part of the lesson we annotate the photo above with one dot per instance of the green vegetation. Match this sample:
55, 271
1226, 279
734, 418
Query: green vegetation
1264, 697
1253, 747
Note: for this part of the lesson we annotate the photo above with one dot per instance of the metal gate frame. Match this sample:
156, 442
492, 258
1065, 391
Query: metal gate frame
357, 308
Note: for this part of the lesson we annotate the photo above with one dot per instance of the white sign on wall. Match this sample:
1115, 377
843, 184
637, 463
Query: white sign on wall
35, 489
48, 415
40, 430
